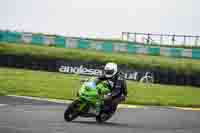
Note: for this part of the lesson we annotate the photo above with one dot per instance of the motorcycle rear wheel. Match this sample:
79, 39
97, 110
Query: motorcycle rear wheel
103, 117
106, 113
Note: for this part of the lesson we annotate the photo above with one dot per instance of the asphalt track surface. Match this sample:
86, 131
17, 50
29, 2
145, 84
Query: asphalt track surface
19, 115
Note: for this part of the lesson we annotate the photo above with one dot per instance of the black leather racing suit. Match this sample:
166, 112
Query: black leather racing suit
118, 88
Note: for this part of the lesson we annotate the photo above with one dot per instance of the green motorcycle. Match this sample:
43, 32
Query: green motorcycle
90, 99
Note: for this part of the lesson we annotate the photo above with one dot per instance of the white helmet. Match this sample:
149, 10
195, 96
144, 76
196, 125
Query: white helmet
110, 69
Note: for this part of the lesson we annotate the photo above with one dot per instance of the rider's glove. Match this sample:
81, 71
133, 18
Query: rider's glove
108, 96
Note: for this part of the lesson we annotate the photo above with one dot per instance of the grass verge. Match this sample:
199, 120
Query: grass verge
65, 86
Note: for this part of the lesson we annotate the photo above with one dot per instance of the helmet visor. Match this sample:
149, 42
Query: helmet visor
109, 72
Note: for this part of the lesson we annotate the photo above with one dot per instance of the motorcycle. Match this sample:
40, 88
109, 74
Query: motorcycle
85, 104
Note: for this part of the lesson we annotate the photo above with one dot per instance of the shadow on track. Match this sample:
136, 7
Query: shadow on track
109, 124
134, 125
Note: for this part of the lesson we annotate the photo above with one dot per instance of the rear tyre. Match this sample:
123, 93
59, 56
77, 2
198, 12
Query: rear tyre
72, 111
106, 113
103, 117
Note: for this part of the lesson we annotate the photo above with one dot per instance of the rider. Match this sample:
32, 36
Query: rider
117, 83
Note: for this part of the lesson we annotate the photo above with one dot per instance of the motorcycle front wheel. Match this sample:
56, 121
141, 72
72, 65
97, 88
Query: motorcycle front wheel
72, 111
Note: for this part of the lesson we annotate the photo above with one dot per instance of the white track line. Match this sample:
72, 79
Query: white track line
42, 99
3, 105
126, 106
69, 101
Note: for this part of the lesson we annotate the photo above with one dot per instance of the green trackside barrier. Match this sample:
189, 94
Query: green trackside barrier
196, 53
154, 50
37, 39
176, 52
14, 37
10, 37
107, 46
132, 48
60, 42
83, 44
2, 36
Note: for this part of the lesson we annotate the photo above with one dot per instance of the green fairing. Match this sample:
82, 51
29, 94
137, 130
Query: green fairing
91, 96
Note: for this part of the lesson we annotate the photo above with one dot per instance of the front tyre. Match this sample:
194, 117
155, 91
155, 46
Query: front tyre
72, 111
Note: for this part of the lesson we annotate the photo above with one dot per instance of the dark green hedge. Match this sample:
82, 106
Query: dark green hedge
180, 65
